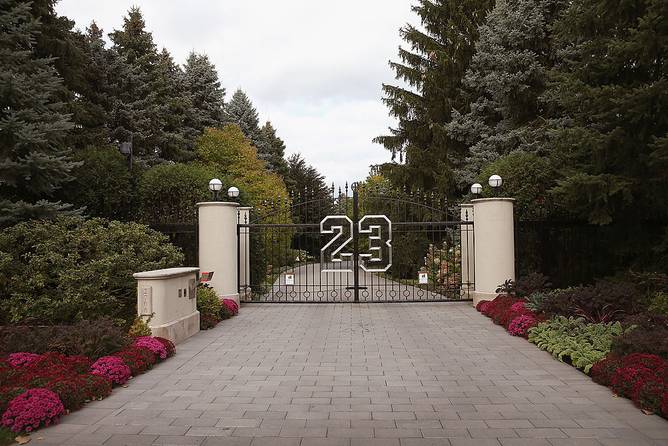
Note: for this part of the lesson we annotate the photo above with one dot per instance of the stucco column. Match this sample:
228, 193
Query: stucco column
218, 246
467, 253
244, 250
494, 245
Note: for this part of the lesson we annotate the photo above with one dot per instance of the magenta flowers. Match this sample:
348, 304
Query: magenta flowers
32, 409
152, 344
113, 368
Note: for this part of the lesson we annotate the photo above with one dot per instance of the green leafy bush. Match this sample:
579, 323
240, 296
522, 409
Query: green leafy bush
574, 341
87, 338
139, 328
70, 269
534, 301
659, 303
168, 192
103, 184
209, 307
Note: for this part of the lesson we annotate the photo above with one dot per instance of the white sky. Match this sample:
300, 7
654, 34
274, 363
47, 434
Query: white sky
313, 68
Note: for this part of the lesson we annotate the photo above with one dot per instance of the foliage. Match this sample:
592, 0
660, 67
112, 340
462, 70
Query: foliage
652, 340
103, 184
659, 304
169, 346
225, 312
33, 122
500, 309
535, 300
272, 150
443, 265
206, 93
531, 283
602, 371
47, 268
241, 113
112, 368
208, 305
520, 325
439, 54
575, 341
87, 338
610, 138
22, 359
168, 192
138, 358
305, 183
152, 344
139, 328
32, 409
604, 301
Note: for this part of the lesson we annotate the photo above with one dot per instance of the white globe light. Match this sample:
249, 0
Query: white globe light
476, 188
215, 185
495, 181
233, 192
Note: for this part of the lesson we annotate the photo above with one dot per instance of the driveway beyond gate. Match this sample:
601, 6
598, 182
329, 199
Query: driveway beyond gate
365, 374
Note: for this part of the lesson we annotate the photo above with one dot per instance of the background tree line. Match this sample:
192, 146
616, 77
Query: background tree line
565, 100
69, 100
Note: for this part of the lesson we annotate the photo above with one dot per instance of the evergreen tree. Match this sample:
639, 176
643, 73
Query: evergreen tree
611, 89
207, 96
440, 52
305, 183
33, 127
506, 77
272, 150
240, 111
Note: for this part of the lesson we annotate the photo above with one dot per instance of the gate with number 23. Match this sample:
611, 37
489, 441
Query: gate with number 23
362, 244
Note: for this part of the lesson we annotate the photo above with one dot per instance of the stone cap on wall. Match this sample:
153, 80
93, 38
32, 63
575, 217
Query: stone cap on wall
479, 200
166, 273
217, 203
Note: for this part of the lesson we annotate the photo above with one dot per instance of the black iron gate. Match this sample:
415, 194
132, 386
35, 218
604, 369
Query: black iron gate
362, 244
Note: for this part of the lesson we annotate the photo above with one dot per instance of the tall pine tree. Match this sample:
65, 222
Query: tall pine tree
34, 162
240, 111
611, 88
206, 93
272, 150
433, 67
503, 84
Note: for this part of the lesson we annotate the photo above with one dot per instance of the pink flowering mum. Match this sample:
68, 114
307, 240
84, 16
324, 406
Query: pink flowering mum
520, 325
32, 409
232, 306
112, 368
150, 343
22, 359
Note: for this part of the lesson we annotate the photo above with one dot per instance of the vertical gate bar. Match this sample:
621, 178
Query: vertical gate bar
356, 248
239, 254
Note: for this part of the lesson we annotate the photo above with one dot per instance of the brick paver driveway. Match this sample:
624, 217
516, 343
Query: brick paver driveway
369, 374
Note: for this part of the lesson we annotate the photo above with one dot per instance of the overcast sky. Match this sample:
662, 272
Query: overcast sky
313, 68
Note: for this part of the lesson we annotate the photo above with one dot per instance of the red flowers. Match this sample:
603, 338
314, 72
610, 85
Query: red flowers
152, 344
32, 409
521, 324
232, 306
139, 359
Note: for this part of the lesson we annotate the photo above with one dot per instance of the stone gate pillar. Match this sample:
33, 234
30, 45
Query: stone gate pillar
244, 250
467, 244
217, 222
494, 245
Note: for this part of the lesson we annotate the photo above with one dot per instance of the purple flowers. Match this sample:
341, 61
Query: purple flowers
113, 368
32, 409
152, 344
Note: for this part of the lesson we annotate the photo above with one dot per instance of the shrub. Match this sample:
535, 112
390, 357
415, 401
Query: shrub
232, 306
139, 328
168, 192
575, 341
521, 324
113, 368
155, 346
208, 305
96, 387
169, 346
531, 283
480, 304
49, 360
32, 409
535, 301
602, 371
87, 338
138, 359
71, 391
225, 312
499, 310
602, 302
103, 184
8, 393
641, 340
69, 268
659, 304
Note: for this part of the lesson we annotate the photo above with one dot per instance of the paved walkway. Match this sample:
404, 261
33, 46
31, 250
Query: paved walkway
368, 374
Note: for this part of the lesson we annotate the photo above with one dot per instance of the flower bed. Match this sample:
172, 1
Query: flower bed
599, 329
37, 389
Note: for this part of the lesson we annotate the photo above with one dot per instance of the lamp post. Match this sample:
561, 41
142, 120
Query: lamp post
215, 186
233, 193
495, 182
